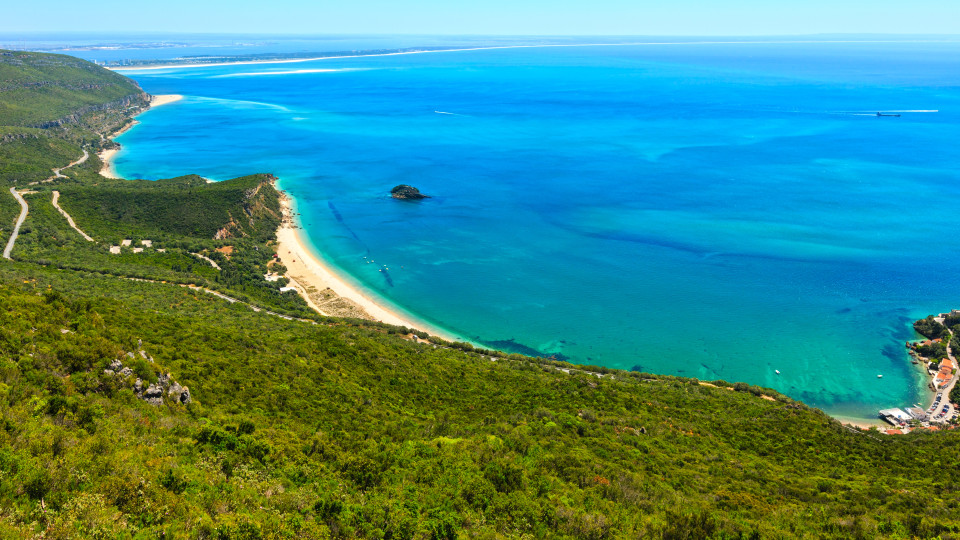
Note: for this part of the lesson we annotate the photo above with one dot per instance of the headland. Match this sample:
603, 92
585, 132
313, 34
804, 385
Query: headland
320, 285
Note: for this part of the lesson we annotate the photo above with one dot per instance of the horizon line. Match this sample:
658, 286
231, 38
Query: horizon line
428, 34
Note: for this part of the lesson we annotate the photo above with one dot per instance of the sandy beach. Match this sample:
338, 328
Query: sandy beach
106, 156
164, 99
322, 288
863, 423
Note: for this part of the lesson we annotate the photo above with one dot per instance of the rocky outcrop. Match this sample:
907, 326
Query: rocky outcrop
151, 393
179, 393
408, 193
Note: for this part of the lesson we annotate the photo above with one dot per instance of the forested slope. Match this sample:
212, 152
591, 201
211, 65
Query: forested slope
40, 90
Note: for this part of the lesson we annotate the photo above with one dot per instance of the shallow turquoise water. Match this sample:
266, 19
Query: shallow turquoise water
714, 211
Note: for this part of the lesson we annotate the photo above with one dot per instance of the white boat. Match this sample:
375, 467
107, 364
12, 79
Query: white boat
777, 371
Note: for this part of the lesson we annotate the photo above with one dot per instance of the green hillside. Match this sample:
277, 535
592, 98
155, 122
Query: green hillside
38, 88
187, 206
137, 402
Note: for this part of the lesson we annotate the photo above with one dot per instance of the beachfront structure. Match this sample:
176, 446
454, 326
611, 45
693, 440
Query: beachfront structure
918, 414
895, 416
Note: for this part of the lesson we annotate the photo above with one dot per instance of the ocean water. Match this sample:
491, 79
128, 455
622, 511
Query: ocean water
713, 211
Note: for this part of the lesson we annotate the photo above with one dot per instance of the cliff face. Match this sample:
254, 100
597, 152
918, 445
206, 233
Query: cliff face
138, 101
259, 210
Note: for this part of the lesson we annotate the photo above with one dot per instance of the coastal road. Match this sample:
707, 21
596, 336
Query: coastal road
945, 406
16, 229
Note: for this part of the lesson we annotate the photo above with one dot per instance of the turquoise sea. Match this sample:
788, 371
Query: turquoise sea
718, 211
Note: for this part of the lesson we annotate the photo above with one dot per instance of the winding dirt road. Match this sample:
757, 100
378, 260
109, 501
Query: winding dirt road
56, 198
16, 229
56, 172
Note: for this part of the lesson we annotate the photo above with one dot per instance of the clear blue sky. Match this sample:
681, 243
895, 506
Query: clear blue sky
586, 17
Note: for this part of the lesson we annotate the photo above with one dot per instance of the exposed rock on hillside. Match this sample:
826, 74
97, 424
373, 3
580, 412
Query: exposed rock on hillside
153, 393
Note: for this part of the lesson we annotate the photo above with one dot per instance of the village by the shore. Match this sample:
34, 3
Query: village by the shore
936, 355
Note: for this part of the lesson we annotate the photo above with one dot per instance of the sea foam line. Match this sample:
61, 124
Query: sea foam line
288, 72
226, 101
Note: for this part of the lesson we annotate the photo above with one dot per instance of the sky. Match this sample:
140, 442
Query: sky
490, 17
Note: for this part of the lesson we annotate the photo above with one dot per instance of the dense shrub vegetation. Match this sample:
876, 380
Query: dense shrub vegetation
347, 431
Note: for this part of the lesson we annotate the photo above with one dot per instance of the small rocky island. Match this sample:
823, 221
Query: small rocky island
406, 192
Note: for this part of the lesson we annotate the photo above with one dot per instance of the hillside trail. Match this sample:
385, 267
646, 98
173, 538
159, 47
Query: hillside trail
16, 228
56, 172
55, 201
24, 209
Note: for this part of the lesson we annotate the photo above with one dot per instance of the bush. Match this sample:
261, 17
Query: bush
172, 482
37, 485
505, 477
143, 370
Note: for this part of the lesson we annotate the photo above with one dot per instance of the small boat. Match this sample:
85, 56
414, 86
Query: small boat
777, 371
879, 376
893, 115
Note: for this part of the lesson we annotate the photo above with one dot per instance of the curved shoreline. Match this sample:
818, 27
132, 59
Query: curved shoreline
313, 277
306, 269
108, 169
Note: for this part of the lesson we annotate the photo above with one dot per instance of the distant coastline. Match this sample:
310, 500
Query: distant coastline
196, 62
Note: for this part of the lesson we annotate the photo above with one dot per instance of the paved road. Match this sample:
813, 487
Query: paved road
944, 393
16, 229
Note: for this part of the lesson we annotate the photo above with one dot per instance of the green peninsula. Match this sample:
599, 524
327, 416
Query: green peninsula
154, 384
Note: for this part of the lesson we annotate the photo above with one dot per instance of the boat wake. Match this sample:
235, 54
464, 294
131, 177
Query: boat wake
885, 112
